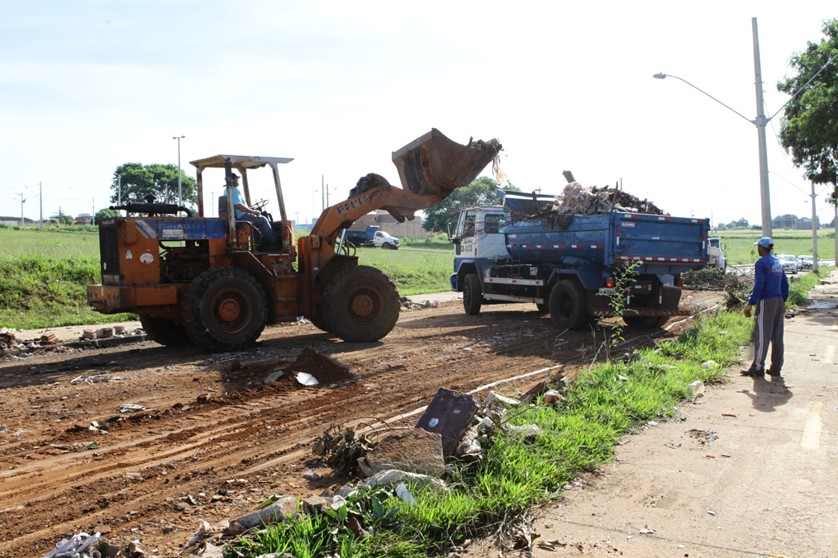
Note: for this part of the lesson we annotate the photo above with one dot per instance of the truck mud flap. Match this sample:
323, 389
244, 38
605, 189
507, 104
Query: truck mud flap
435, 165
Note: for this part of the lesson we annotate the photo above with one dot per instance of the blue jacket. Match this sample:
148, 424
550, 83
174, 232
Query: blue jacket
770, 280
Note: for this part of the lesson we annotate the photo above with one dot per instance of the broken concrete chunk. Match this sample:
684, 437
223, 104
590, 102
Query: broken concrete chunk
104, 332
449, 414
273, 376
131, 408
266, 516
393, 477
495, 399
414, 450
88, 334
552, 397
524, 431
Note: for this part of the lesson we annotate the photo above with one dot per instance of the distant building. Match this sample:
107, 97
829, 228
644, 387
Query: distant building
83, 219
15, 221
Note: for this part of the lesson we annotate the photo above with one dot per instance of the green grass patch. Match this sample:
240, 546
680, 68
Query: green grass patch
39, 292
601, 406
413, 271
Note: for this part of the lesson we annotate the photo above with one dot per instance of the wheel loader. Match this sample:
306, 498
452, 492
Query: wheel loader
211, 282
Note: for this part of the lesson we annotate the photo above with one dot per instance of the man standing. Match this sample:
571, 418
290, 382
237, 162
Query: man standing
771, 290
252, 216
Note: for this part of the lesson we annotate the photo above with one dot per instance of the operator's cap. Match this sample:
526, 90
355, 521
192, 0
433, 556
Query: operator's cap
764, 242
235, 177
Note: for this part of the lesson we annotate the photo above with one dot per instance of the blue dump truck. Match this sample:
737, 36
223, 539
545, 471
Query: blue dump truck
577, 268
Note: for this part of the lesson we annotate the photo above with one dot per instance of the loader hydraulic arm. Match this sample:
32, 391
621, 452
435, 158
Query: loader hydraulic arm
372, 192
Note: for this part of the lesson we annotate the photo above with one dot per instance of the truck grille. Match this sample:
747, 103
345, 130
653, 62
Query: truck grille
109, 251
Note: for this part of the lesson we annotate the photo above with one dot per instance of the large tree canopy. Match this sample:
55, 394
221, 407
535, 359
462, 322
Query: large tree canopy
158, 180
479, 193
809, 130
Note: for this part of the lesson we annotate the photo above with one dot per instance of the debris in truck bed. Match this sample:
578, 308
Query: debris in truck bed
577, 199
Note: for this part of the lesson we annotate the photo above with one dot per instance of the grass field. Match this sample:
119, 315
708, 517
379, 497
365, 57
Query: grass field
738, 245
44, 274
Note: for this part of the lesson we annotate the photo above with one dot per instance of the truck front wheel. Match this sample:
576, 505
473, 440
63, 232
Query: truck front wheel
360, 305
472, 294
567, 305
225, 309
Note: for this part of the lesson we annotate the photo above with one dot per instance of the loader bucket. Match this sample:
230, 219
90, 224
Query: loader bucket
434, 165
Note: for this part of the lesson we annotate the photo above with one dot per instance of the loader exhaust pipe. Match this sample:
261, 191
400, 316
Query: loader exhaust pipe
432, 164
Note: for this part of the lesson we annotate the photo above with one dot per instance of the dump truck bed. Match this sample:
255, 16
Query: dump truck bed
662, 243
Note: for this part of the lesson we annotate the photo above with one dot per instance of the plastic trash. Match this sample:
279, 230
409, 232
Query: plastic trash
697, 388
403, 493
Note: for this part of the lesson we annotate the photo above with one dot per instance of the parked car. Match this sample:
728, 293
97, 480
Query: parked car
789, 263
804, 262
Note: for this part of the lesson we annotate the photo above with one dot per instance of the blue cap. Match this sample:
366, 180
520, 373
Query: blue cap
764, 242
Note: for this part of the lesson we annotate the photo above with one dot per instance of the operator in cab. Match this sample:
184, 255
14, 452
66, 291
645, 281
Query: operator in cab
252, 216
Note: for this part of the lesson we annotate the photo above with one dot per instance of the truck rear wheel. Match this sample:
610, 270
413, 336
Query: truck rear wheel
360, 305
472, 294
567, 305
165, 331
225, 309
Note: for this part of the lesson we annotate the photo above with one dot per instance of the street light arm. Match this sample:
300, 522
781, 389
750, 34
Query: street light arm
663, 76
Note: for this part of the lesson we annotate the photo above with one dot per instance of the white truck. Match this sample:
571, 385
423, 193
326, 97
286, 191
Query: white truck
715, 256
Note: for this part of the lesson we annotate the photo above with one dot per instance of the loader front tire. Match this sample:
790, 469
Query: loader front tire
164, 331
225, 309
567, 305
472, 294
360, 305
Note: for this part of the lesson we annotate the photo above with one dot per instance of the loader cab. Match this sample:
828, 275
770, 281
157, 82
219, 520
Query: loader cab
221, 169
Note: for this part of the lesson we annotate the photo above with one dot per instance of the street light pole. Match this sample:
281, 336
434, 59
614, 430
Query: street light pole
760, 122
179, 190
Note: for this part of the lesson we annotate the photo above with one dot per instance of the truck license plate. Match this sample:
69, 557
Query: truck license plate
607, 291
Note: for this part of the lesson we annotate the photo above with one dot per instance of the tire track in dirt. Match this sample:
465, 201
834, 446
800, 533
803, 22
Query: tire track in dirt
136, 480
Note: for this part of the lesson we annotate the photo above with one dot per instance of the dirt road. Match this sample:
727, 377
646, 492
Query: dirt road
144, 442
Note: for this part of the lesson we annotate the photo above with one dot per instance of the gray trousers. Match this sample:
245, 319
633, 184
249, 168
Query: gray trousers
768, 329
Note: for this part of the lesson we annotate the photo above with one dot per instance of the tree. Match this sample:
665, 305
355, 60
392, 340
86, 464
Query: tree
478, 193
809, 129
158, 180
104, 214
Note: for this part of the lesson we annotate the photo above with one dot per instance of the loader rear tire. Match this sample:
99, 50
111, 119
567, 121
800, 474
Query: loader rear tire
472, 294
225, 309
360, 305
567, 305
165, 331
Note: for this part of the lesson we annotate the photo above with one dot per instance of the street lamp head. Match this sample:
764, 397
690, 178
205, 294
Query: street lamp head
659, 75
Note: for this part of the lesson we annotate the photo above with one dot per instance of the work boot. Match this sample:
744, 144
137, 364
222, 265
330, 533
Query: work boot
773, 373
753, 373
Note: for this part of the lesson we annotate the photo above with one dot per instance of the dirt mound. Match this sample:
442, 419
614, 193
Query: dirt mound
323, 368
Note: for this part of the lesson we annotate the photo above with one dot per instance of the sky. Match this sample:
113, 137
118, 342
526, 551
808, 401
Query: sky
88, 85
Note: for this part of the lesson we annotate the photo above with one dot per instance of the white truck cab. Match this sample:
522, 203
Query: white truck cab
715, 256
478, 233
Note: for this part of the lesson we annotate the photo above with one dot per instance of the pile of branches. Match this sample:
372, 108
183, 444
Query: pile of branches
576, 199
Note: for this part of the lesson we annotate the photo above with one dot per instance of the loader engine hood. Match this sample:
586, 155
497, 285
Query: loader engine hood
432, 164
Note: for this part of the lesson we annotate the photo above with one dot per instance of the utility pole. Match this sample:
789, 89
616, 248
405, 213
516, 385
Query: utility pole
814, 232
760, 122
22, 201
322, 193
41, 204
179, 190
